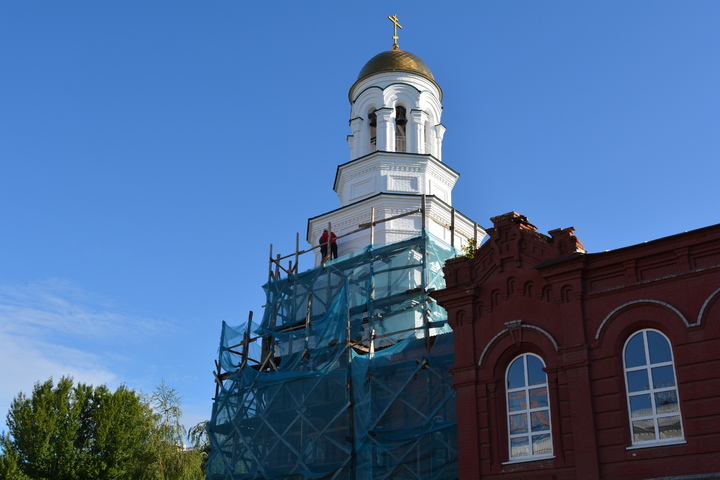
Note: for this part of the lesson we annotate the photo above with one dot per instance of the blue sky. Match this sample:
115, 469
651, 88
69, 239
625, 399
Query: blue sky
150, 152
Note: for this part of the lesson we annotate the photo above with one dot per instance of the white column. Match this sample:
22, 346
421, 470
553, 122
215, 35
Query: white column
439, 134
417, 132
356, 140
385, 129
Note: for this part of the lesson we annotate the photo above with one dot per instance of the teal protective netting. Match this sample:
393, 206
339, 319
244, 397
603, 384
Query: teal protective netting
345, 377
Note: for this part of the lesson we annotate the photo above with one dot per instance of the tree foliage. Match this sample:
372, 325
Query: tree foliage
172, 461
67, 432
469, 249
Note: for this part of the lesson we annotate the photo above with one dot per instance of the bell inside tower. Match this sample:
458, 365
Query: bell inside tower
400, 129
372, 122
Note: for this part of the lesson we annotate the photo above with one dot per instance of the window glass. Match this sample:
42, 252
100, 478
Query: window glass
637, 380
519, 447
659, 348
542, 445
670, 427
540, 421
536, 375
538, 397
663, 377
667, 402
518, 423
516, 374
653, 403
640, 406
517, 401
528, 409
635, 352
643, 431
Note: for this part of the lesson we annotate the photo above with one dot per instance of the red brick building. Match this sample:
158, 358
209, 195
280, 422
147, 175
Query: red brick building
571, 365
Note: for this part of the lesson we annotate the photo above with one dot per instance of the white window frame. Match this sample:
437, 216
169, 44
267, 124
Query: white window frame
529, 411
652, 392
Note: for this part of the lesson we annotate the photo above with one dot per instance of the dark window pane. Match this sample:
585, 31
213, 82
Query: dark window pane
640, 406
638, 380
516, 374
635, 351
659, 348
536, 376
663, 377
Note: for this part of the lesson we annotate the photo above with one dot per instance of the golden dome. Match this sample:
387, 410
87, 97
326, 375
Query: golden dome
396, 60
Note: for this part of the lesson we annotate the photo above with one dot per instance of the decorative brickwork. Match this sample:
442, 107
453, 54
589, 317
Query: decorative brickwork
543, 295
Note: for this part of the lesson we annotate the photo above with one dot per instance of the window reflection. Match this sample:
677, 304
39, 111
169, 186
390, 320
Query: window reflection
635, 352
542, 445
516, 401
640, 406
663, 377
516, 374
653, 403
536, 376
659, 348
528, 408
637, 381
540, 421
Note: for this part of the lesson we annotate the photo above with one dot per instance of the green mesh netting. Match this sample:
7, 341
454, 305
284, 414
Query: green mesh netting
345, 377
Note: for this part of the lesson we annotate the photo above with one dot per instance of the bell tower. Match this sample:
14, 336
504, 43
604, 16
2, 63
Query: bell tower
395, 107
395, 162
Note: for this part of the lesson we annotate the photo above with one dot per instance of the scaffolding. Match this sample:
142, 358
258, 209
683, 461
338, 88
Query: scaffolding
346, 375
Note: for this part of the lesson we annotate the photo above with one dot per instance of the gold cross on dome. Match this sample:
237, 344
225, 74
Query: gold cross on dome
395, 21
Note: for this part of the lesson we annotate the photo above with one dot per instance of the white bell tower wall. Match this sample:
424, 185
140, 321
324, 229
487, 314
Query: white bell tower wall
395, 166
380, 95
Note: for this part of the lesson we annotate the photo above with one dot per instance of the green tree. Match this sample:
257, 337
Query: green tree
68, 432
469, 249
200, 441
172, 460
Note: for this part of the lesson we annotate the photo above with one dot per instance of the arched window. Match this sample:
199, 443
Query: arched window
372, 122
652, 394
400, 129
528, 409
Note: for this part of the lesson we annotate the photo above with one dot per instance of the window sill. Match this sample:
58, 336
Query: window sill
675, 441
528, 459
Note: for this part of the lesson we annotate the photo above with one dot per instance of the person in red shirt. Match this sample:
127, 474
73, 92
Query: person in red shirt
324, 245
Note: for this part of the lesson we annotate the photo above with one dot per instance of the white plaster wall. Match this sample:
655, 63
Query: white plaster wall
393, 182
386, 91
348, 219
394, 172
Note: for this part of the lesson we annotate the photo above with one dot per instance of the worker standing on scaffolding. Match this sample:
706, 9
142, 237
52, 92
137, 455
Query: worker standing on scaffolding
324, 245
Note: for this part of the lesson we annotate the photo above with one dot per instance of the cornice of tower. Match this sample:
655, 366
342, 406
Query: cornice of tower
391, 164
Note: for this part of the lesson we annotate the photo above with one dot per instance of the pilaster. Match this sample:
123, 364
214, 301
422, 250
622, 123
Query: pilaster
439, 135
385, 129
356, 140
417, 132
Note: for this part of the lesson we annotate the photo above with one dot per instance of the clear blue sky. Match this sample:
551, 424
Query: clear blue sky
151, 151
